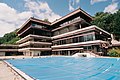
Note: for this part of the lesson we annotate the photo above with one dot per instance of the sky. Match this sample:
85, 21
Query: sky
13, 13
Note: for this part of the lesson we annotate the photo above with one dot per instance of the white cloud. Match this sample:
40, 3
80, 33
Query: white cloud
6, 27
96, 1
77, 1
72, 4
10, 19
112, 8
41, 10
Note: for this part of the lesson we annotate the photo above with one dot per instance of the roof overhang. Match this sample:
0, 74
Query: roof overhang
31, 19
71, 14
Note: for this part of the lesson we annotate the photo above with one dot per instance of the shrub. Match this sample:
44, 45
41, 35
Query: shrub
114, 52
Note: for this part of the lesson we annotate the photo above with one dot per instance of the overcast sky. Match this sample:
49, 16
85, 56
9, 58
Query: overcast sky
13, 13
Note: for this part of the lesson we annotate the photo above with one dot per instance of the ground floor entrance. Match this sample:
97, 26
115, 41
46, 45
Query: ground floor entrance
36, 53
66, 52
96, 49
13, 53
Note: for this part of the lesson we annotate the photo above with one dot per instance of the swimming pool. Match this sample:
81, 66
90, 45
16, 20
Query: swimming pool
69, 68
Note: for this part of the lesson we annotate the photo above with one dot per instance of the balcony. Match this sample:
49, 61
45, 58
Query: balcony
82, 30
8, 50
30, 36
34, 43
68, 23
29, 30
95, 42
37, 49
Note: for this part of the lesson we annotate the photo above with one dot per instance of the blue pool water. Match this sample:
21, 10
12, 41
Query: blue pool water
68, 68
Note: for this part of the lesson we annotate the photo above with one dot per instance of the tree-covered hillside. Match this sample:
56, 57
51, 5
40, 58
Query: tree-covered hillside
9, 38
108, 22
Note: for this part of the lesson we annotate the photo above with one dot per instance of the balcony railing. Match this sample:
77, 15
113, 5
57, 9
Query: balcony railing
32, 42
68, 23
95, 42
72, 21
31, 36
40, 49
8, 50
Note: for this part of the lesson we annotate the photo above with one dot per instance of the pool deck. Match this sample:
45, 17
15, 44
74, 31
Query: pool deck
7, 74
19, 72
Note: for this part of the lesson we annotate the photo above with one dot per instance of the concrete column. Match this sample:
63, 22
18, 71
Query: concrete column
40, 53
2, 53
58, 52
68, 53
80, 26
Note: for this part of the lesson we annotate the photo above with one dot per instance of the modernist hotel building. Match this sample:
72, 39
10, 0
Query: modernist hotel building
68, 35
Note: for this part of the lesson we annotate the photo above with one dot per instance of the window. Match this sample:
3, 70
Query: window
77, 26
72, 28
64, 30
38, 25
63, 41
90, 37
86, 48
81, 39
33, 24
68, 41
55, 43
85, 38
58, 42
56, 33
75, 40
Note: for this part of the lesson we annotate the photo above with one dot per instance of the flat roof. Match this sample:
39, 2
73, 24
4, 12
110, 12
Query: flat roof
34, 20
70, 14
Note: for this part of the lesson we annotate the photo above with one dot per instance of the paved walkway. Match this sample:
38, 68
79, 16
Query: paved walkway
7, 74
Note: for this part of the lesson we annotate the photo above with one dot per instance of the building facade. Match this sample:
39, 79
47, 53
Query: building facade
35, 38
68, 35
9, 50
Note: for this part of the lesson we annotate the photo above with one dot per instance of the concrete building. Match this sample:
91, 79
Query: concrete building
35, 38
8, 50
66, 36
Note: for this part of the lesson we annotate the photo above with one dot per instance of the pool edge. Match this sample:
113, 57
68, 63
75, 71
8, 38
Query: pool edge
19, 72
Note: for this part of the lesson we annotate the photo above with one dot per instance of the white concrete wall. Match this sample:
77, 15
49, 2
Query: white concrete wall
2, 53
32, 53
36, 53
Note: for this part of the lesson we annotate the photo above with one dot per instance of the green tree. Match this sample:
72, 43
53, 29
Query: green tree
9, 38
46, 20
114, 52
13, 41
108, 22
